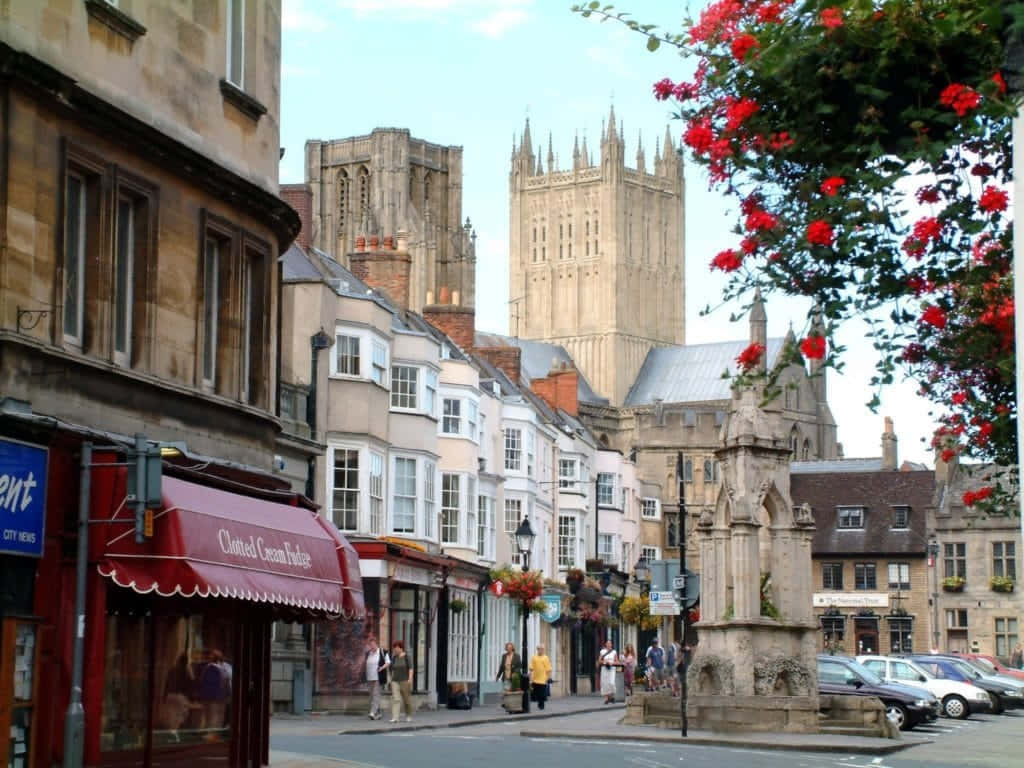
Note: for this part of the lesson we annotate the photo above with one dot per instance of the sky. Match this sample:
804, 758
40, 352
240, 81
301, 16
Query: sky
469, 73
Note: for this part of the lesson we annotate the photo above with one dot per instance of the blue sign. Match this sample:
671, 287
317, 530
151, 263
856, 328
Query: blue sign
22, 498
552, 607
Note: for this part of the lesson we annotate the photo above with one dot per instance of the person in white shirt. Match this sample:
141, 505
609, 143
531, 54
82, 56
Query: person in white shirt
608, 660
377, 664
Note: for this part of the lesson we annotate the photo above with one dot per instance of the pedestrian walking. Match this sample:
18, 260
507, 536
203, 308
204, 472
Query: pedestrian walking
401, 682
655, 658
608, 660
540, 675
628, 668
377, 664
509, 665
1017, 658
673, 658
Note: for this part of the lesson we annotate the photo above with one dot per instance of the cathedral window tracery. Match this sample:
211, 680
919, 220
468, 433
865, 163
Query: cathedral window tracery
364, 192
344, 190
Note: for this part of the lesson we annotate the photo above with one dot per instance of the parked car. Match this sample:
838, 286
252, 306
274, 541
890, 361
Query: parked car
997, 666
1002, 695
906, 707
959, 699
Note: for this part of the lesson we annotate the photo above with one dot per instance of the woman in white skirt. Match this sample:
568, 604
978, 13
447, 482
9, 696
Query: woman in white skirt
607, 661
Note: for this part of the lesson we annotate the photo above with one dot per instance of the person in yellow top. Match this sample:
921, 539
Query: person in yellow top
540, 674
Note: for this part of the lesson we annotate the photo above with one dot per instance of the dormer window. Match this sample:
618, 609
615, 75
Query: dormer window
900, 517
851, 517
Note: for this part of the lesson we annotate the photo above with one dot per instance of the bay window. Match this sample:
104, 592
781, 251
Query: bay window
404, 496
450, 498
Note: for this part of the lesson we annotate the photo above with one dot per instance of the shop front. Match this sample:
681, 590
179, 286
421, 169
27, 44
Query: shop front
176, 628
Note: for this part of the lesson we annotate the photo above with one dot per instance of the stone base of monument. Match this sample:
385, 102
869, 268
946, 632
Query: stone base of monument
778, 714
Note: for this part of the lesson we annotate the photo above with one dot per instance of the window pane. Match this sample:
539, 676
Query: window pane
451, 421
450, 508
74, 257
345, 504
123, 272
123, 724
404, 380
236, 42
405, 496
211, 266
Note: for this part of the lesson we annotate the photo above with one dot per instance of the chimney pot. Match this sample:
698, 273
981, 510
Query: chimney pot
443, 296
455, 298
389, 243
430, 298
360, 244
402, 240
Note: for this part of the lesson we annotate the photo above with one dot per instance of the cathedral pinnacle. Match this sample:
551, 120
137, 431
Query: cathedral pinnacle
611, 125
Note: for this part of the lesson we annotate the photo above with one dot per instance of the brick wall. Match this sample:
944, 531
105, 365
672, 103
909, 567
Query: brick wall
458, 322
559, 389
300, 197
386, 270
507, 359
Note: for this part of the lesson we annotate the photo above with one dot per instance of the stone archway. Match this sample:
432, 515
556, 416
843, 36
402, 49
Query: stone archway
711, 675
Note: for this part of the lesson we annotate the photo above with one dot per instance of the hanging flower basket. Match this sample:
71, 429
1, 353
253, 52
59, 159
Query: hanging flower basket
456, 605
1001, 584
525, 586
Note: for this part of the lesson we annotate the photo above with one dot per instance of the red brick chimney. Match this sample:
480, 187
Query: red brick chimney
560, 389
385, 268
300, 197
451, 318
507, 359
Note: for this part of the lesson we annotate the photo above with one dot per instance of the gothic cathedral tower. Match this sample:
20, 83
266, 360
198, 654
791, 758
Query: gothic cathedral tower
596, 256
386, 182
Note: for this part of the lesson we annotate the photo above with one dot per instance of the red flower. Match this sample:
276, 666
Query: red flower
819, 232
780, 140
663, 89
934, 316
927, 195
959, 398
684, 91
813, 347
831, 185
919, 285
699, 136
947, 455
750, 356
831, 18
738, 111
997, 78
928, 228
758, 220
960, 98
749, 244
984, 170
972, 497
727, 261
913, 353
993, 199
741, 45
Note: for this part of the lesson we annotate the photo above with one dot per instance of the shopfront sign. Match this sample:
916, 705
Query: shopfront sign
850, 599
552, 607
411, 575
22, 498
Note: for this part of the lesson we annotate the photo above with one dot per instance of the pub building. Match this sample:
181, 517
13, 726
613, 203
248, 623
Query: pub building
177, 628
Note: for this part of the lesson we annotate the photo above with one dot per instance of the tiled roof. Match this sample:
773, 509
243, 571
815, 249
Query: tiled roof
877, 492
691, 373
537, 358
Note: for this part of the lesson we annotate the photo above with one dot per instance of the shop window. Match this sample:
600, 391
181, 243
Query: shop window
901, 632
124, 722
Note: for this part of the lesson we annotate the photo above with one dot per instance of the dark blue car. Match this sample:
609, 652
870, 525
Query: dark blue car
950, 669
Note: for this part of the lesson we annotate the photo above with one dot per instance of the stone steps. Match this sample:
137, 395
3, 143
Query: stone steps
851, 729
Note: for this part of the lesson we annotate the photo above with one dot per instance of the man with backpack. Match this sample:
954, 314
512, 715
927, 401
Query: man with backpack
377, 664
655, 665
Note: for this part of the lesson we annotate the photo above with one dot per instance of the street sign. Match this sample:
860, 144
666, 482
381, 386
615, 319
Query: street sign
663, 604
679, 582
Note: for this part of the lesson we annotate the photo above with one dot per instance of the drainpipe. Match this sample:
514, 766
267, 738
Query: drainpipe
317, 342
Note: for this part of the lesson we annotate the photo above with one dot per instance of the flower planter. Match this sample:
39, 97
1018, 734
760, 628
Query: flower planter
952, 587
1001, 586
512, 701
588, 594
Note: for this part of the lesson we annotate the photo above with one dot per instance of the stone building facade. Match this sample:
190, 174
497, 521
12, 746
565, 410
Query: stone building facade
389, 182
596, 260
976, 547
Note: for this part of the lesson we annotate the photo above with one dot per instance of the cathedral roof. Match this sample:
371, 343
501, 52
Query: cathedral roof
537, 357
691, 373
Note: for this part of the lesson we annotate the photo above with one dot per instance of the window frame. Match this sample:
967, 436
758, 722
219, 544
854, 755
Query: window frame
955, 564
400, 492
901, 568
377, 491
234, 28
355, 493
865, 576
343, 351
646, 503
1007, 639
430, 499
568, 482
254, 311
217, 326
451, 490
410, 385
513, 461
75, 338
1004, 563
567, 538
898, 509
605, 492
844, 517
829, 572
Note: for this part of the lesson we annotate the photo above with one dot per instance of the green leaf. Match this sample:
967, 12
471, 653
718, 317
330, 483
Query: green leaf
653, 43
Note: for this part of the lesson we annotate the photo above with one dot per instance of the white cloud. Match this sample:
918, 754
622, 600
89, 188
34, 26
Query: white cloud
499, 22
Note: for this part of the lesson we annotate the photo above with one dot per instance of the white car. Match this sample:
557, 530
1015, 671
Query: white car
959, 700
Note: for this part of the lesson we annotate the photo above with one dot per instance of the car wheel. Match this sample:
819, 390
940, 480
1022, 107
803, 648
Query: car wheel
997, 703
955, 707
897, 713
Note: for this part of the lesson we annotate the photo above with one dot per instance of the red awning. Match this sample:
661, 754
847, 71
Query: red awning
212, 543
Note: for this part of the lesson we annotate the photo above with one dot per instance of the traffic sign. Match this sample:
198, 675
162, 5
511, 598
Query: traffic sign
679, 582
663, 604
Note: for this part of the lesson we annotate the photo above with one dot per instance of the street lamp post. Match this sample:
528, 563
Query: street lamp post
524, 537
642, 573
933, 561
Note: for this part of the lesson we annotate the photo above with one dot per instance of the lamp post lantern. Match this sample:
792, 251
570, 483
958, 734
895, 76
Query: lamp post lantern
642, 573
523, 539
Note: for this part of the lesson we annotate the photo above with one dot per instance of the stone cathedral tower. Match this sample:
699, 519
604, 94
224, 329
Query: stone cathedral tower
387, 182
596, 255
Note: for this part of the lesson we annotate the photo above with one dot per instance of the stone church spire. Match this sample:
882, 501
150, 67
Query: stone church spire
576, 164
641, 163
759, 328
551, 155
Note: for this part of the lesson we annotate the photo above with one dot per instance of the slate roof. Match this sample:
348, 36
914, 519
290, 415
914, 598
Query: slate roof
870, 464
691, 373
297, 267
537, 357
877, 492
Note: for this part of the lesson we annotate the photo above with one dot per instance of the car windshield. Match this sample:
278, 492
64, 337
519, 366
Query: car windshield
865, 674
967, 669
985, 665
919, 669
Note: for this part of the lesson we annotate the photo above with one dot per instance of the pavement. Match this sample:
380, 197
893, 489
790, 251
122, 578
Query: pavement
574, 718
